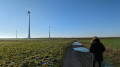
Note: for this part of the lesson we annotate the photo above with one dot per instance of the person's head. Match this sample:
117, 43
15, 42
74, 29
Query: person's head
95, 39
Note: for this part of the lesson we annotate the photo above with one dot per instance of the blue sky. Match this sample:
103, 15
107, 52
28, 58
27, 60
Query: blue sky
67, 18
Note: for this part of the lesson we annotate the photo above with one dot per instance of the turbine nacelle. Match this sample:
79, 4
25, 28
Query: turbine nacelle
28, 11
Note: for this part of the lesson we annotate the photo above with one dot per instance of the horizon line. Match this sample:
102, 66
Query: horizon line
60, 37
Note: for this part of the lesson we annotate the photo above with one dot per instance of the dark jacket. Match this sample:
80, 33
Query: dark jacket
97, 48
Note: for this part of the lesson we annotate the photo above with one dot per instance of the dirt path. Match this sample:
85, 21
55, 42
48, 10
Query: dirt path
74, 58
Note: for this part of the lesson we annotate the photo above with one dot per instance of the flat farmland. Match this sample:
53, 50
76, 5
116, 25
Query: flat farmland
49, 52
108, 42
33, 52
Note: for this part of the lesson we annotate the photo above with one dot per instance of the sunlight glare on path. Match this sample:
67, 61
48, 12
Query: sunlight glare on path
76, 43
82, 49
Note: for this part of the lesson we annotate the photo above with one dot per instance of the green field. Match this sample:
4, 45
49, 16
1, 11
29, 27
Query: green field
35, 52
48, 52
108, 42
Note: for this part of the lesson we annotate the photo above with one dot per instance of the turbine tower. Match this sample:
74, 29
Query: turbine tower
29, 25
49, 31
16, 34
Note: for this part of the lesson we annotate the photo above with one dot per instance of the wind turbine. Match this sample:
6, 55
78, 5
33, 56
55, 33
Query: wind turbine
49, 31
29, 25
16, 34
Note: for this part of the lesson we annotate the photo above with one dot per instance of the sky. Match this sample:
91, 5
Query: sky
67, 18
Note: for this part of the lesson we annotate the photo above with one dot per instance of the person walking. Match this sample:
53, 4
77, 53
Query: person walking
97, 48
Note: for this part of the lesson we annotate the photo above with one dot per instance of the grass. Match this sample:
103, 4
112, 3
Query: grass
33, 52
112, 53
